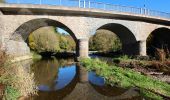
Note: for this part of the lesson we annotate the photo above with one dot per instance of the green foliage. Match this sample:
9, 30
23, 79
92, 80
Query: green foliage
126, 77
44, 40
36, 56
150, 95
18, 81
11, 93
63, 43
67, 43
123, 58
105, 41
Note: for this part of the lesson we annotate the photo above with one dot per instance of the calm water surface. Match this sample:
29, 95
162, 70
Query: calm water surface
63, 79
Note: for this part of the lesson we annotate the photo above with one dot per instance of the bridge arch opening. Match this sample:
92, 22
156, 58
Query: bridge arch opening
127, 39
23, 32
159, 39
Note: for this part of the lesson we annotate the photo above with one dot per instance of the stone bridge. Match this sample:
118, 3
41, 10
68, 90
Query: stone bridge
17, 21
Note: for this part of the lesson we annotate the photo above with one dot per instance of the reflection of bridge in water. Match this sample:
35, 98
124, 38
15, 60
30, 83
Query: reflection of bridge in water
80, 88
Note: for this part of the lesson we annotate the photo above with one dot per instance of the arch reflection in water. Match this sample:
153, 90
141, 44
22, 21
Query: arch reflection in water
94, 79
55, 78
62, 80
51, 75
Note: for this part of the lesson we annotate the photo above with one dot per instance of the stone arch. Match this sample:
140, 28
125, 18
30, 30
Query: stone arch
26, 28
128, 39
21, 34
158, 38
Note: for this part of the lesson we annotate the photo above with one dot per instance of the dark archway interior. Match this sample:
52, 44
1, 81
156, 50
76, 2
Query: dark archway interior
159, 38
129, 42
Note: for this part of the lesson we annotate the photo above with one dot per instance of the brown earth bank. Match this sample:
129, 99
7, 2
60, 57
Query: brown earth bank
155, 69
2, 89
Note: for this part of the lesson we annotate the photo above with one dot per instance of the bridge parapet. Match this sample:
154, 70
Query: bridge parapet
97, 5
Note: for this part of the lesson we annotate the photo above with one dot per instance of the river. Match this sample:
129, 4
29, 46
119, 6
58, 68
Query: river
63, 79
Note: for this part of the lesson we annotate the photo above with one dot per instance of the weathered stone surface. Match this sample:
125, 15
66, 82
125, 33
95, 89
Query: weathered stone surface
16, 49
83, 47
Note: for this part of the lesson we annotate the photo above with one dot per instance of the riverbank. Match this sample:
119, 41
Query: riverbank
15, 81
153, 68
148, 87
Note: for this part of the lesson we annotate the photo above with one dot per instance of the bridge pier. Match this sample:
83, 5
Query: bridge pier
142, 48
83, 74
83, 51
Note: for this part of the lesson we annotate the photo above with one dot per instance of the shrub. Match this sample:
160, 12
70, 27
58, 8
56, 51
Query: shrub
44, 40
105, 41
2, 58
160, 54
19, 82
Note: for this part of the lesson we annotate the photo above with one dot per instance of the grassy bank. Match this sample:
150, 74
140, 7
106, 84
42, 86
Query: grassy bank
36, 56
126, 78
16, 79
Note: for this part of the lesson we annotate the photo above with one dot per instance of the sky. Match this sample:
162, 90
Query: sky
159, 5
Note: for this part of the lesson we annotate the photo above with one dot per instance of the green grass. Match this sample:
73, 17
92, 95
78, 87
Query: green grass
36, 56
150, 95
11, 93
123, 58
127, 78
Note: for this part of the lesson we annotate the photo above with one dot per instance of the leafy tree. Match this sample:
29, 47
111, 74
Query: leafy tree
105, 41
63, 43
67, 43
44, 40
48, 39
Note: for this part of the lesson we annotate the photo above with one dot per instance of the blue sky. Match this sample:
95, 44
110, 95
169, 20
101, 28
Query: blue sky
159, 5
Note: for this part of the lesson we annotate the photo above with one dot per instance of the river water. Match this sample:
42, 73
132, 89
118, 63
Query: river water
63, 79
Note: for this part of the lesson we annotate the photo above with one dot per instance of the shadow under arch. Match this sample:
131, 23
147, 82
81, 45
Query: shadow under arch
26, 28
129, 42
158, 38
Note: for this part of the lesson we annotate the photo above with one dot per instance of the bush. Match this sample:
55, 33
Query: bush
44, 40
105, 41
17, 81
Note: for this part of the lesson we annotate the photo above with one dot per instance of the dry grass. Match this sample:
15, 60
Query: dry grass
18, 80
17, 77
160, 54
2, 58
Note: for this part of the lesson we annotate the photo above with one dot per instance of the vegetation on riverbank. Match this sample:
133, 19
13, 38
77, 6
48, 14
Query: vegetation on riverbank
125, 77
17, 81
36, 56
